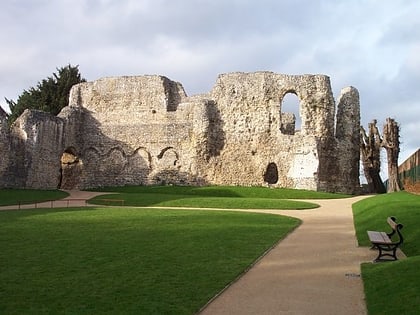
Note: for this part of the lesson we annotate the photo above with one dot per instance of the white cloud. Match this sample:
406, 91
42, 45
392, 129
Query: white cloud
372, 45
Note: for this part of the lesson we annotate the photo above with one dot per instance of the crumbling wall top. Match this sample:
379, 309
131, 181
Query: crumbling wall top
128, 93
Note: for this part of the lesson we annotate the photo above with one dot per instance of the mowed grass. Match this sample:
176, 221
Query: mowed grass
137, 261
228, 191
126, 260
371, 214
226, 197
391, 287
25, 196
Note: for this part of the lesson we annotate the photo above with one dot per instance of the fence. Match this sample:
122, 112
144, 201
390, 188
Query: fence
60, 203
409, 171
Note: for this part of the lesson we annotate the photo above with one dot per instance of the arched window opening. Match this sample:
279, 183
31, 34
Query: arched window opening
168, 157
71, 169
141, 158
291, 121
271, 175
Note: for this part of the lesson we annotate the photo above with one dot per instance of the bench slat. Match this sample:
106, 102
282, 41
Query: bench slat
383, 243
379, 237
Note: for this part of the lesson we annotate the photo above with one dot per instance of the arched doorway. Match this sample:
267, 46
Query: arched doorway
71, 169
271, 175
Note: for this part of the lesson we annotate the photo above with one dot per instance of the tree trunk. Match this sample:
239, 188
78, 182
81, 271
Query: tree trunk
391, 143
370, 146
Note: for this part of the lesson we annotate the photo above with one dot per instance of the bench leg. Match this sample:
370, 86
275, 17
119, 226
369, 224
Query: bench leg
384, 252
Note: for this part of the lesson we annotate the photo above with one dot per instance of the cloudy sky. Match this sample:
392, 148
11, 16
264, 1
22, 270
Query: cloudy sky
373, 45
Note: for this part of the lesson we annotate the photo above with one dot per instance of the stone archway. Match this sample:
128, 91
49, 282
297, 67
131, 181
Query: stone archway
71, 169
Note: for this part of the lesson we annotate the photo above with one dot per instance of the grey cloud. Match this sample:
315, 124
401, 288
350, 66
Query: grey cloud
368, 44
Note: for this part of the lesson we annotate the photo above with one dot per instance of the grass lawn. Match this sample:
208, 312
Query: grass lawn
126, 260
392, 287
25, 196
228, 191
230, 197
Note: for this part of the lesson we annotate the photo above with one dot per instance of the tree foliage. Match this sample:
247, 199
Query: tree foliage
50, 95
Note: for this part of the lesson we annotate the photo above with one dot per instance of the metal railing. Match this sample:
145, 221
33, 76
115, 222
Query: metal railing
61, 203
58, 203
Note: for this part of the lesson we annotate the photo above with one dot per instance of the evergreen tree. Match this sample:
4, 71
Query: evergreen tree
50, 95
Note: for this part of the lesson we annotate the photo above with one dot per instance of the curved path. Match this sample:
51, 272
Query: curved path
76, 198
314, 270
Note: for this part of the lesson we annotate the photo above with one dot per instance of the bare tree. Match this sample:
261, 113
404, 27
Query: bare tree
391, 143
370, 147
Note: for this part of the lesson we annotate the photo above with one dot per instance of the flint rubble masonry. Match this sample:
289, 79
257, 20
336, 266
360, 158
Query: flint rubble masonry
145, 130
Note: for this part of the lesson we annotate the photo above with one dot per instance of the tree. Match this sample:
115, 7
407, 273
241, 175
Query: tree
370, 147
391, 143
50, 95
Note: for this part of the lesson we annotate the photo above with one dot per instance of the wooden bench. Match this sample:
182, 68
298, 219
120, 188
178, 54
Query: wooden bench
384, 243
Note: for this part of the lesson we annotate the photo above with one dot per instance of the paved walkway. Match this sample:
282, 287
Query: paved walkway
76, 198
314, 270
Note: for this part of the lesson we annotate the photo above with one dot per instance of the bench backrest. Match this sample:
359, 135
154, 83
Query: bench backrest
396, 227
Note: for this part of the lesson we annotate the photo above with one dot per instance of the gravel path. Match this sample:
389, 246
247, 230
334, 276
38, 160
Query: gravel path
314, 270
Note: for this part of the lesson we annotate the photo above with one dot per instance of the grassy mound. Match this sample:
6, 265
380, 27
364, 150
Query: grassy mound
226, 197
227, 191
391, 288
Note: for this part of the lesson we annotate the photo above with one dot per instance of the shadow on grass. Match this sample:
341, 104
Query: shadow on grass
125, 260
200, 197
28, 196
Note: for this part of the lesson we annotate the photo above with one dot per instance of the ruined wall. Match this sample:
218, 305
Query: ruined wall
348, 140
4, 148
35, 147
134, 130
254, 132
146, 130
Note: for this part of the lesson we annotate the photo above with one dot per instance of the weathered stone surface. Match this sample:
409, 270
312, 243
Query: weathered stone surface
348, 138
4, 142
36, 148
146, 130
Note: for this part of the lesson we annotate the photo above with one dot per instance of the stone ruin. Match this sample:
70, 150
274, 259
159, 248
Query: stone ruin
145, 130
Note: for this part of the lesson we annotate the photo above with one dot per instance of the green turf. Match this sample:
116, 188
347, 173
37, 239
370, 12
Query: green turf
126, 260
391, 287
227, 197
371, 214
25, 196
191, 201
227, 191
